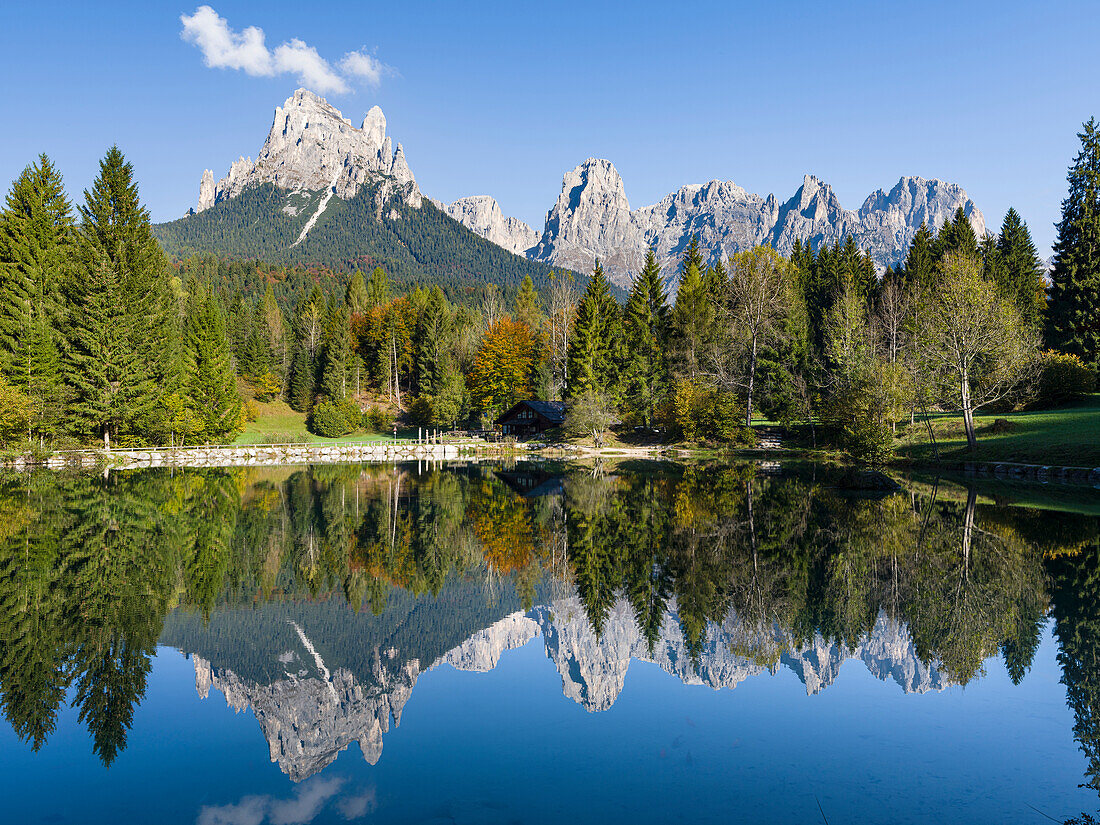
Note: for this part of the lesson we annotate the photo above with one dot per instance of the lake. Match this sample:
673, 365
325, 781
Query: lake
532, 643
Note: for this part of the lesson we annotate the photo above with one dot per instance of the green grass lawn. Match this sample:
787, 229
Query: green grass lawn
277, 422
1068, 437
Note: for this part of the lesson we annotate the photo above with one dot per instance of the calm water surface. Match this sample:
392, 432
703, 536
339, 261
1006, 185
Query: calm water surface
532, 644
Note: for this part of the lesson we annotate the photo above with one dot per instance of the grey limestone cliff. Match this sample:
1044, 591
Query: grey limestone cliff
312, 147
592, 218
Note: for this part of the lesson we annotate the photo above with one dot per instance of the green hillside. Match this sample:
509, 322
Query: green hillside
414, 246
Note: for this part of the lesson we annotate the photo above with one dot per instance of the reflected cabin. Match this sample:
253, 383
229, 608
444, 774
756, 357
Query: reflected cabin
529, 418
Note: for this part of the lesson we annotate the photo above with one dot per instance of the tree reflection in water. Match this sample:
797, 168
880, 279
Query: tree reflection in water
90, 567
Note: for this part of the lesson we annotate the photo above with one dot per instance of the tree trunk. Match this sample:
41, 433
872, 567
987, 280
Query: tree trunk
968, 414
752, 375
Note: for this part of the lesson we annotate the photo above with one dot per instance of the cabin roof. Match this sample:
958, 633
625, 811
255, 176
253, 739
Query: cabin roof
552, 411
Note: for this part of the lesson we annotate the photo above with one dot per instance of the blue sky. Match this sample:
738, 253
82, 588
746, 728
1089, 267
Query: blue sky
502, 98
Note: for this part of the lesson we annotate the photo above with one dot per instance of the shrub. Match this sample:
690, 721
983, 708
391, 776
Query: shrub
249, 411
330, 419
377, 420
704, 413
1063, 377
265, 387
858, 414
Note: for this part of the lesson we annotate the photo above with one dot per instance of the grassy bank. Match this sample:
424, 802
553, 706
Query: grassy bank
277, 423
1068, 437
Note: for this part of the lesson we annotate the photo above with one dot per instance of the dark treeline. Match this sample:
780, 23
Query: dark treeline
91, 567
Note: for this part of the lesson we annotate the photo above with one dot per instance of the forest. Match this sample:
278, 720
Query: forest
104, 339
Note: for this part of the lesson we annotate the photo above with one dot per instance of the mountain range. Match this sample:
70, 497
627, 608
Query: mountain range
311, 706
323, 190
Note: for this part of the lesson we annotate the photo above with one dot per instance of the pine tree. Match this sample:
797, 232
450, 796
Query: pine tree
338, 355
920, 262
116, 314
210, 381
434, 333
527, 308
596, 347
302, 380
956, 235
646, 330
692, 257
36, 243
378, 288
1020, 272
692, 323
356, 296
1073, 313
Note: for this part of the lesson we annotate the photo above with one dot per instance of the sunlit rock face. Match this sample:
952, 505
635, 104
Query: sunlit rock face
307, 720
312, 714
481, 214
593, 219
312, 147
593, 669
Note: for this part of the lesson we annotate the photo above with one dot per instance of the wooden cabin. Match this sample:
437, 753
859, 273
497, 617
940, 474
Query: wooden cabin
529, 418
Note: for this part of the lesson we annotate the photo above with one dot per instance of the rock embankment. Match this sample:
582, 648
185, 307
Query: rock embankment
254, 455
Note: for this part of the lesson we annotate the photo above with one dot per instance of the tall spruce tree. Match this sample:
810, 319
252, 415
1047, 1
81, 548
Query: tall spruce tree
116, 319
338, 354
645, 322
920, 262
595, 349
1073, 312
210, 381
36, 243
956, 235
1019, 273
692, 322
356, 296
527, 308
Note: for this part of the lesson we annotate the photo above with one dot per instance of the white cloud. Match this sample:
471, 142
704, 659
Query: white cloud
356, 807
223, 48
310, 68
366, 66
302, 809
249, 811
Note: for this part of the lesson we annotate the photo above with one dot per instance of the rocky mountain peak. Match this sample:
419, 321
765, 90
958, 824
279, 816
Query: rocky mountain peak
312, 147
482, 214
591, 219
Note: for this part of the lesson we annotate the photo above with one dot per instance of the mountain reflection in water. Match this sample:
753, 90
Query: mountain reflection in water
316, 597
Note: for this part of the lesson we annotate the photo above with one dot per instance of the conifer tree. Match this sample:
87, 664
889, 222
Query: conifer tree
1020, 272
210, 381
356, 296
36, 242
693, 256
274, 327
956, 236
527, 308
378, 288
116, 318
338, 355
1073, 313
596, 345
692, 322
434, 335
646, 331
302, 380
920, 262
